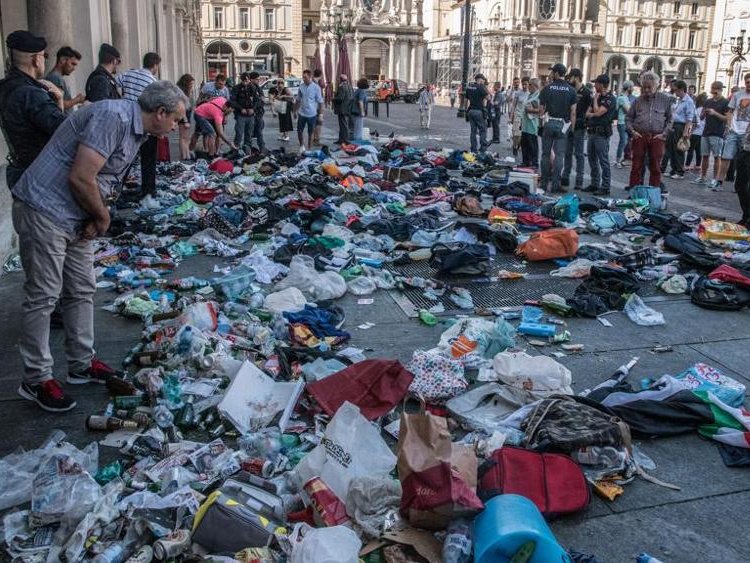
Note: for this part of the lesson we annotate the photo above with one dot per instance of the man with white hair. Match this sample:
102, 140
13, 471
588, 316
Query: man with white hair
648, 122
59, 205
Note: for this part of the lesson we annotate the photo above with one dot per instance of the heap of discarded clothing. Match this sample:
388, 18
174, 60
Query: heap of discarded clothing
247, 428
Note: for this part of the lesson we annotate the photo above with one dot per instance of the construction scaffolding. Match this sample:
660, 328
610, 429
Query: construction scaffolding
445, 55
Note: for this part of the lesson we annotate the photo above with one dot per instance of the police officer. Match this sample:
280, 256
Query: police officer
477, 97
558, 105
599, 128
31, 109
101, 83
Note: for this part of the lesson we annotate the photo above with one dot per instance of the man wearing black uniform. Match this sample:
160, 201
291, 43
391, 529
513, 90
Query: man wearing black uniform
258, 123
101, 84
477, 96
577, 134
31, 109
558, 102
243, 102
599, 127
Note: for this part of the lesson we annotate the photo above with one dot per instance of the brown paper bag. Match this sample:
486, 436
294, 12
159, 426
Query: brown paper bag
438, 478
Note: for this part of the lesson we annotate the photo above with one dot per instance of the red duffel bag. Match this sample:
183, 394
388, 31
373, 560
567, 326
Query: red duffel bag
553, 482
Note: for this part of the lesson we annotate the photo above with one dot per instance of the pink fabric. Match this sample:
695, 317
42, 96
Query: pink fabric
213, 110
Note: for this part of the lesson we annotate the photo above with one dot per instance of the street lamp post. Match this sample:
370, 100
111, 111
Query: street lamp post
737, 45
465, 58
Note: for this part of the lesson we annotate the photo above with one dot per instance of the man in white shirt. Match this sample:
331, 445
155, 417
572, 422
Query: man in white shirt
309, 106
737, 128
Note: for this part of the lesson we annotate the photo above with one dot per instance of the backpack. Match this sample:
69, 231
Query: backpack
613, 110
719, 296
460, 259
546, 245
561, 423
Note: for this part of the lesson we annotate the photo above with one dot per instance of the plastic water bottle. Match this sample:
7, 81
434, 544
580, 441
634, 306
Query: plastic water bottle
646, 558
457, 544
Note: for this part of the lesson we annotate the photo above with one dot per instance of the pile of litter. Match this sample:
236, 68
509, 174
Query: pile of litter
250, 430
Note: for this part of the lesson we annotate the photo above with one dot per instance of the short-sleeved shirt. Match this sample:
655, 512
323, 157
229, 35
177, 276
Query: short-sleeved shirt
212, 110
476, 94
608, 101
134, 82
557, 98
360, 95
530, 121
740, 105
520, 97
623, 105
209, 89
683, 110
309, 98
583, 102
715, 127
57, 79
112, 128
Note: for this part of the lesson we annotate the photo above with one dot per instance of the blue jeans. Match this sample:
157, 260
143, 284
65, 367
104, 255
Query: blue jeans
598, 149
478, 130
553, 139
574, 147
309, 122
358, 126
622, 131
244, 129
258, 126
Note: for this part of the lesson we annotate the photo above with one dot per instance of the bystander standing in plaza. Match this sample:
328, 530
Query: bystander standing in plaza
186, 83
739, 106
359, 108
453, 94
60, 204
530, 127
285, 104
477, 97
683, 113
425, 101
558, 101
320, 81
217, 88
599, 119
498, 97
623, 106
31, 109
66, 62
309, 106
101, 83
243, 102
575, 147
518, 98
342, 107
259, 123
132, 84
649, 121
694, 157
716, 114
742, 179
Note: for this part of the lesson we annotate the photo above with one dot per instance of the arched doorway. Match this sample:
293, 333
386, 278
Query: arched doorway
273, 55
617, 68
219, 59
373, 62
736, 70
688, 71
654, 64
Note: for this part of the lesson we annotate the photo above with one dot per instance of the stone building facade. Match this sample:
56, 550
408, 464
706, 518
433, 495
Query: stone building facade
135, 27
732, 17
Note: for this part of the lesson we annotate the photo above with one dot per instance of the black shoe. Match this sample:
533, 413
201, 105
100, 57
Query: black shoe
578, 187
602, 192
565, 182
590, 188
97, 372
559, 191
48, 395
494, 141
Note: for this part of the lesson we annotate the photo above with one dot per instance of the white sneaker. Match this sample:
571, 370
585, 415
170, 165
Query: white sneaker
619, 164
699, 181
285, 138
302, 149
715, 185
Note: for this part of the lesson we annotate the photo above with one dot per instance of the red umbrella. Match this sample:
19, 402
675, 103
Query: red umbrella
344, 65
328, 73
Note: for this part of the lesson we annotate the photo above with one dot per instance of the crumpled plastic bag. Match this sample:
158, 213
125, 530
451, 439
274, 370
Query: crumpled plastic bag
579, 268
675, 285
485, 407
371, 500
641, 314
289, 299
62, 488
337, 544
321, 286
540, 376
437, 377
362, 285
266, 270
474, 341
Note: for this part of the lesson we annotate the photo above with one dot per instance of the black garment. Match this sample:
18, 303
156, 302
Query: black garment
583, 95
742, 184
557, 98
345, 133
29, 115
603, 123
695, 149
476, 95
529, 149
101, 85
714, 126
342, 101
148, 153
243, 97
673, 156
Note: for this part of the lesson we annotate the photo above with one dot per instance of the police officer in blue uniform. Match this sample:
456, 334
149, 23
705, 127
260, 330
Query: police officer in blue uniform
31, 109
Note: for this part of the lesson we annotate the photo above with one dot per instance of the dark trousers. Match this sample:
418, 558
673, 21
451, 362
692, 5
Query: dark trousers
598, 151
742, 183
148, 165
258, 126
574, 148
695, 149
529, 150
345, 132
672, 156
654, 147
478, 130
496, 126
554, 141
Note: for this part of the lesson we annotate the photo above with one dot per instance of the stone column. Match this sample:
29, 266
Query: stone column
412, 63
53, 21
586, 61
391, 57
118, 13
335, 61
322, 49
577, 15
403, 63
357, 58
566, 54
419, 63
534, 13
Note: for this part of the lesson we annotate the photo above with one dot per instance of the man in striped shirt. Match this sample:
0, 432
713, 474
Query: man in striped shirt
133, 83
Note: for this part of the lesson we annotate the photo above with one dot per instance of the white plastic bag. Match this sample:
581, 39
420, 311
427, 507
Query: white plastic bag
320, 286
337, 544
289, 299
641, 314
351, 447
539, 375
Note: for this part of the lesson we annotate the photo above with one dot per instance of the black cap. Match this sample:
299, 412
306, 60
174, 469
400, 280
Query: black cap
479, 75
25, 42
253, 75
602, 79
575, 73
108, 49
559, 68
